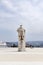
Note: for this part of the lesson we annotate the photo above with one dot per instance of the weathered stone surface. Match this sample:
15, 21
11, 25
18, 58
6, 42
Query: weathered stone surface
21, 38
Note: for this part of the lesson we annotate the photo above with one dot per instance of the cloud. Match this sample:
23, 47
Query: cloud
8, 4
29, 13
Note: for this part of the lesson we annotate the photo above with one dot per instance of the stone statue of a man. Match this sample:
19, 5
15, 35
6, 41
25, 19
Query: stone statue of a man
21, 38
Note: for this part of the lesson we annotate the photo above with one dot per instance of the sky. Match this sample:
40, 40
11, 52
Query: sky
13, 13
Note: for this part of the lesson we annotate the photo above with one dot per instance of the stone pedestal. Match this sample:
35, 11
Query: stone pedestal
21, 38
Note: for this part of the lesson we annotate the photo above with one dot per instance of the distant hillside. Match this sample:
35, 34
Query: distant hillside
28, 44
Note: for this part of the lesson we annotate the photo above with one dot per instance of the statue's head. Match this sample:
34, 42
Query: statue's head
20, 26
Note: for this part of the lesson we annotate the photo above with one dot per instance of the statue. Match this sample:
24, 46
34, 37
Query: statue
21, 38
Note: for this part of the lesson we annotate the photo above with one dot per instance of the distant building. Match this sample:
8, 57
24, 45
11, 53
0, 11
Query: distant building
2, 43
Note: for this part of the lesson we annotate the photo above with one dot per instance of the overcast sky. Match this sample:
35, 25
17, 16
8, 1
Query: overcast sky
29, 13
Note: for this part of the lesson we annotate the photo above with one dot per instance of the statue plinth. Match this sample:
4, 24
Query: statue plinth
21, 38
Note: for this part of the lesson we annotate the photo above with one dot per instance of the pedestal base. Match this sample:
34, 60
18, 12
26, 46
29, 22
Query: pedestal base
21, 50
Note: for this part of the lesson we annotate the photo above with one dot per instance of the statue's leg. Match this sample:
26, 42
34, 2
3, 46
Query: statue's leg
19, 46
23, 46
